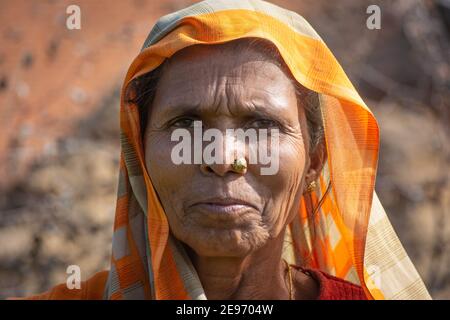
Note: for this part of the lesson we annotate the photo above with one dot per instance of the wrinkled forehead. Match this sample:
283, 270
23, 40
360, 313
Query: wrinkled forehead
247, 51
235, 70
240, 60
242, 49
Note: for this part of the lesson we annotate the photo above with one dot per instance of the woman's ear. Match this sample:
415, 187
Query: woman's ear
317, 161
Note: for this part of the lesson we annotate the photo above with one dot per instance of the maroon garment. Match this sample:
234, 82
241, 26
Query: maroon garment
333, 288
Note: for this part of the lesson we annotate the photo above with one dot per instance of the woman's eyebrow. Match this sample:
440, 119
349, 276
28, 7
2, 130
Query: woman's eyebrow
245, 110
179, 109
275, 112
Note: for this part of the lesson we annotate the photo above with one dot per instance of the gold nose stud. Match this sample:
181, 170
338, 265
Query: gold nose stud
240, 165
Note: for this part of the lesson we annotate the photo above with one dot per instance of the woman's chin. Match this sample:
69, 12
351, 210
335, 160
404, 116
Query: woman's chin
227, 242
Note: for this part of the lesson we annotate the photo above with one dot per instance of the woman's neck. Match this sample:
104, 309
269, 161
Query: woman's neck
261, 275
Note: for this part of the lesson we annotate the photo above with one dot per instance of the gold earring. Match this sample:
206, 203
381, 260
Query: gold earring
311, 186
240, 165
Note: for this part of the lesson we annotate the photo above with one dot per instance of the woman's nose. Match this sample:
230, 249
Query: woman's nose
239, 166
231, 158
218, 169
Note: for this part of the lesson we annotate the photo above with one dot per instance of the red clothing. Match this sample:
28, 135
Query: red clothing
333, 288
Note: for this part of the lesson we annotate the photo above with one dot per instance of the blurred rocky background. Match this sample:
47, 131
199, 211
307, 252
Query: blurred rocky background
59, 143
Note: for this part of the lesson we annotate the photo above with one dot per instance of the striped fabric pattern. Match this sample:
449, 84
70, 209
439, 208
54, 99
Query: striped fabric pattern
348, 235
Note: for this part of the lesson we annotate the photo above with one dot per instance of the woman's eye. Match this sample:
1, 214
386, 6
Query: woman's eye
183, 123
263, 123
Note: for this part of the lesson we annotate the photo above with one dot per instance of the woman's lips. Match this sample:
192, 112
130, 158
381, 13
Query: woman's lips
223, 208
227, 211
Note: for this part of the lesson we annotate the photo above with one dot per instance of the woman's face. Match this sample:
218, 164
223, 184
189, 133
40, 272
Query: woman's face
226, 88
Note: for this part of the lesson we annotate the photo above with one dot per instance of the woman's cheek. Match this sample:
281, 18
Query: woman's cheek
158, 150
285, 185
171, 181
161, 169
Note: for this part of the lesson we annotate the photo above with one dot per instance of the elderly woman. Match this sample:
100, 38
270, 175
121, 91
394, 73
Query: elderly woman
312, 229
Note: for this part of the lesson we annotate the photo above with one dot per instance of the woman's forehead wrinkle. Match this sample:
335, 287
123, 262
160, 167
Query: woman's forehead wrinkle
242, 87
225, 82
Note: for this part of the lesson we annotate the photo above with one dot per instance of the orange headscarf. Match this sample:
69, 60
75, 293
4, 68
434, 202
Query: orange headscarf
348, 235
